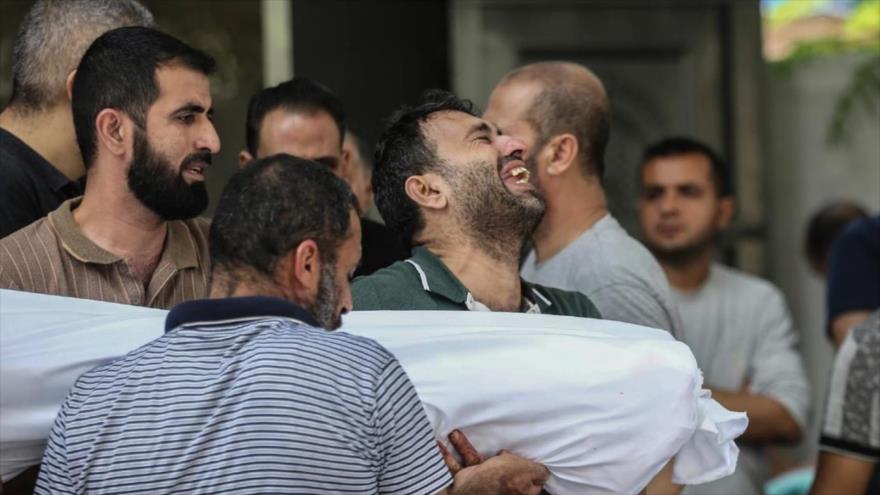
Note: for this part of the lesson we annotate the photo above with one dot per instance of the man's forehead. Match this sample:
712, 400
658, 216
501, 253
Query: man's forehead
686, 167
178, 82
313, 131
452, 123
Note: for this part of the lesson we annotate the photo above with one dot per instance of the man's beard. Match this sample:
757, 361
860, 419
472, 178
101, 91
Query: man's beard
496, 219
154, 182
685, 254
325, 308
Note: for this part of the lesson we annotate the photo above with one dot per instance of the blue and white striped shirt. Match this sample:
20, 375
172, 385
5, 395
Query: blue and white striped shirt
244, 395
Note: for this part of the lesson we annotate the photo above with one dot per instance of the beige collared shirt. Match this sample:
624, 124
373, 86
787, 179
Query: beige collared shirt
52, 256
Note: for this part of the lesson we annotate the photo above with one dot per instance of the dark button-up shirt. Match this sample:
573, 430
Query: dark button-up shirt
30, 187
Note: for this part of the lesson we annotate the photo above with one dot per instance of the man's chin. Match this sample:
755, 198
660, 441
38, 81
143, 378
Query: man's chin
675, 253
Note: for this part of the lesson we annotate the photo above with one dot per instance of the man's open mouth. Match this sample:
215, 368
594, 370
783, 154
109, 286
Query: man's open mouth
522, 174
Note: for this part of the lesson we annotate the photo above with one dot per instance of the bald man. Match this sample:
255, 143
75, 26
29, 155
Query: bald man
561, 111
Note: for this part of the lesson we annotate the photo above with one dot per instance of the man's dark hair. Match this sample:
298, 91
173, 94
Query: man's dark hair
402, 152
824, 227
676, 146
297, 95
119, 71
52, 39
273, 204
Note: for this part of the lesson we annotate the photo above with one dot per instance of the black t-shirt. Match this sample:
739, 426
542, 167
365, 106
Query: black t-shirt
30, 187
380, 247
854, 269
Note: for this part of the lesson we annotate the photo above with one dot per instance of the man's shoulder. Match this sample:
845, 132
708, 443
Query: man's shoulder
614, 257
391, 288
363, 355
19, 245
566, 303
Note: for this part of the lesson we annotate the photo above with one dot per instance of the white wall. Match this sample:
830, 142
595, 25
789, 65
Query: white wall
803, 173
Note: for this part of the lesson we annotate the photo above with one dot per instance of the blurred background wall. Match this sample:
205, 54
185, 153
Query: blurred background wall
767, 83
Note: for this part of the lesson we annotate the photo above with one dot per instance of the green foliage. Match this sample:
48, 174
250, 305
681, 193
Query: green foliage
791, 11
863, 93
861, 34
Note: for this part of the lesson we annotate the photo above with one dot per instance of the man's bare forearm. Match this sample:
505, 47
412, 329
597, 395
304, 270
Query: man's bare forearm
769, 421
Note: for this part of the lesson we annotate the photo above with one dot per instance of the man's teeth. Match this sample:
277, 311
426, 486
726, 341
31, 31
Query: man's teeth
522, 173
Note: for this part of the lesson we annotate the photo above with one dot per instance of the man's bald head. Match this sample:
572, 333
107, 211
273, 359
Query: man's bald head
569, 99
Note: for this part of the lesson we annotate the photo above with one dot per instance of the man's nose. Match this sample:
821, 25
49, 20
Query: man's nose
208, 139
511, 145
345, 303
668, 203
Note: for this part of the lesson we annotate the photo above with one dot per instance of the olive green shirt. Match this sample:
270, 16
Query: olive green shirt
423, 282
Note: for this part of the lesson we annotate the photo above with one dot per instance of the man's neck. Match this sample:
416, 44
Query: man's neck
50, 133
688, 275
246, 284
111, 217
491, 281
573, 207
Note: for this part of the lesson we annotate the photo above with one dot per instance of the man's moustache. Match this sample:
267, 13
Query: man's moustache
203, 157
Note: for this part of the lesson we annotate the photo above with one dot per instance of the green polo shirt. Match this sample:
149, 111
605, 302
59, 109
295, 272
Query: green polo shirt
424, 283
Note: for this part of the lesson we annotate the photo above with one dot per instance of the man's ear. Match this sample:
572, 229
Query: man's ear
561, 152
726, 209
306, 269
114, 131
244, 156
428, 190
68, 84
345, 166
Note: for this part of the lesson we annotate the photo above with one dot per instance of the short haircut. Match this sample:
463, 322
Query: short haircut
824, 227
402, 152
296, 95
119, 71
565, 104
676, 146
52, 39
273, 204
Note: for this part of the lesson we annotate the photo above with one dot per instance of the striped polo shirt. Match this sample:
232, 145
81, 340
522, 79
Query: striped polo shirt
244, 395
52, 256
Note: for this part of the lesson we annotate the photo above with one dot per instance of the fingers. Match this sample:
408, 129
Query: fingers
541, 473
466, 451
452, 464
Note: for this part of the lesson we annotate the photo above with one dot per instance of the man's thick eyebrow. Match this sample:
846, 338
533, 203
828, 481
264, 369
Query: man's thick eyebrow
193, 108
480, 127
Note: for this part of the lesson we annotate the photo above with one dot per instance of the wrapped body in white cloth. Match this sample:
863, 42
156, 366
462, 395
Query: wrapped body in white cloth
602, 404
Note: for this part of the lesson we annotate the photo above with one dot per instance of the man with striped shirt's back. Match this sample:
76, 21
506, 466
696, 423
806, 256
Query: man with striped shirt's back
245, 393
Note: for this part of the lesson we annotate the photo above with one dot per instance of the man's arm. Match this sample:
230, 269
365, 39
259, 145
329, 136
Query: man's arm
843, 323
662, 483
776, 396
769, 421
54, 475
837, 473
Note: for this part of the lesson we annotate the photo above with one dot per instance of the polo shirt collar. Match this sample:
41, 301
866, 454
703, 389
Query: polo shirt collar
179, 249
212, 311
437, 278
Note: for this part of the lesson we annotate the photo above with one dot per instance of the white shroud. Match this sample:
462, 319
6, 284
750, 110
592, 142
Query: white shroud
602, 404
